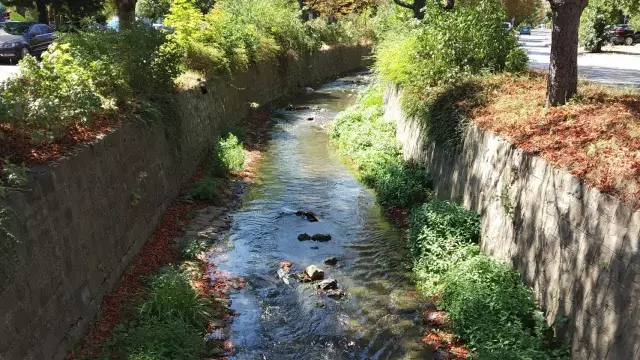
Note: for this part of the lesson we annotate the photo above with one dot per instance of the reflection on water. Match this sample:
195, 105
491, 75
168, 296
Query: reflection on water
378, 319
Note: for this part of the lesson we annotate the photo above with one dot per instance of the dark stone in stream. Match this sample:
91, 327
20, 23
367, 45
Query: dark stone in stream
304, 237
329, 284
314, 248
331, 260
308, 214
321, 237
336, 294
310, 119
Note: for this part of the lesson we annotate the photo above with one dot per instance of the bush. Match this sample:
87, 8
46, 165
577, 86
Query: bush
91, 74
171, 297
447, 46
231, 152
237, 33
494, 312
205, 190
441, 235
403, 184
369, 141
593, 27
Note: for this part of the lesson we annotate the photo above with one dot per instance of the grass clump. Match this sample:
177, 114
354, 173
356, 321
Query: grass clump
172, 296
170, 323
205, 190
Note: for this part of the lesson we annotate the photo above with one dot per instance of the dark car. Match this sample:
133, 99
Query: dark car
525, 30
623, 34
19, 39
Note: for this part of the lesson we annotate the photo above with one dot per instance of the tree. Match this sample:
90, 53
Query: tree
562, 82
337, 8
126, 12
73, 9
152, 9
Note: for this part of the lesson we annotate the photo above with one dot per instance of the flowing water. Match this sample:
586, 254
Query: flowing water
379, 318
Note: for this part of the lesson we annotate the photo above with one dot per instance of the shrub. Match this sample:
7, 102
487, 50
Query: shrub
231, 152
447, 46
87, 75
172, 297
50, 96
494, 312
205, 190
593, 26
441, 235
403, 184
240, 32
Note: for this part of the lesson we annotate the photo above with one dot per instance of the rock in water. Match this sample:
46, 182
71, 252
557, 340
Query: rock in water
314, 272
329, 284
314, 248
304, 237
331, 260
336, 293
321, 237
308, 214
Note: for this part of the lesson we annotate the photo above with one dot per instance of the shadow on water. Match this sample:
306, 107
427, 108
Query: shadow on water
379, 318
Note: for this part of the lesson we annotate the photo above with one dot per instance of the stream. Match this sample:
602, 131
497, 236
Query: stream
379, 318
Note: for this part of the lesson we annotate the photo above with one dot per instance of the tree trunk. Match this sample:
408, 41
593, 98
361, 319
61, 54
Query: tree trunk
418, 5
126, 12
562, 83
43, 15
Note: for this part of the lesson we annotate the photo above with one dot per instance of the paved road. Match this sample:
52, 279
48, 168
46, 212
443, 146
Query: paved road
617, 66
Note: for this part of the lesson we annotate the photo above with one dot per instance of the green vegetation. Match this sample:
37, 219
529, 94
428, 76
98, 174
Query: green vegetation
228, 155
457, 43
369, 141
90, 76
169, 325
487, 304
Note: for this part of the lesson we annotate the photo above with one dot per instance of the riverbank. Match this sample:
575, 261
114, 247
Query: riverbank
486, 303
172, 280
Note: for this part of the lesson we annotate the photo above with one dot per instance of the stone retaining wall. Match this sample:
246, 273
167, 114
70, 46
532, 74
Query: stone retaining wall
83, 219
577, 248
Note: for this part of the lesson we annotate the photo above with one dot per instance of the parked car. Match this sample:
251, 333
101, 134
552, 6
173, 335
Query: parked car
19, 39
525, 30
162, 27
623, 34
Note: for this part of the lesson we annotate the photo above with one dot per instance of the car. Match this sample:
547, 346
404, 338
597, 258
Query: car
162, 27
525, 30
623, 34
19, 39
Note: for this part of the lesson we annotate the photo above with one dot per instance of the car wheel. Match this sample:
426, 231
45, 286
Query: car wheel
24, 52
628, 41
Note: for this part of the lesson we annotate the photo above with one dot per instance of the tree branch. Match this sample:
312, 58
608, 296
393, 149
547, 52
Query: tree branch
403, 4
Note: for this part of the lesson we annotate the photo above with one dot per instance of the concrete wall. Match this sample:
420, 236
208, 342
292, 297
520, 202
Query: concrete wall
577, 248
83, 219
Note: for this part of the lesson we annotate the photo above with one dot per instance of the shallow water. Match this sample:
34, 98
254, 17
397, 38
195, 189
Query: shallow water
378, 319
